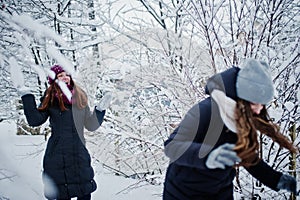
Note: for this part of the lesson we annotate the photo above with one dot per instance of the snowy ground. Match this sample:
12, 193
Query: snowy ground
20, 172
21, 168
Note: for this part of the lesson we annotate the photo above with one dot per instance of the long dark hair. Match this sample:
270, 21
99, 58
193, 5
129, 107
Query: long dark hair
247, 146
54, 93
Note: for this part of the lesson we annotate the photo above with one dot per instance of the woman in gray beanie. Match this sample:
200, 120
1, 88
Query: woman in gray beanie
220, 133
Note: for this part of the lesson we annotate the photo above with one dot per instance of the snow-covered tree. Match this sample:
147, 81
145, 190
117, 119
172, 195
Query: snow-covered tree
155, 57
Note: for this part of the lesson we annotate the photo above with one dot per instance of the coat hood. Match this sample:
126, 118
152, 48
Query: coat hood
224, 81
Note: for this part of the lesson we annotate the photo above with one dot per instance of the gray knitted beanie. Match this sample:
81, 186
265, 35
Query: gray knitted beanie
254, 82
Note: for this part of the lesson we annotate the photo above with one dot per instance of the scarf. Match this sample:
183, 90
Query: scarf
67, 92
226, 108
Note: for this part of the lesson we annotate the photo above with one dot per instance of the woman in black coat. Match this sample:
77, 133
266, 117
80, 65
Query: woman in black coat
67, 164
220, 133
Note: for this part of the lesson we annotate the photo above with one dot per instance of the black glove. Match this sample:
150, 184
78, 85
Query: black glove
288, 183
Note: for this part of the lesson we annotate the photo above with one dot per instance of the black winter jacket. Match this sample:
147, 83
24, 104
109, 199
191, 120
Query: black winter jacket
66, 162
201, 131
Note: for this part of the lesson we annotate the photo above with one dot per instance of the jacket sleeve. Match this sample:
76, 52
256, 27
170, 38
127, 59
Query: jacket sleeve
185, 145
94, 119
265, 174
33, 115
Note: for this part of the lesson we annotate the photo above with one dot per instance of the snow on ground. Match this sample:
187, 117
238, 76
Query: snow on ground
21, 169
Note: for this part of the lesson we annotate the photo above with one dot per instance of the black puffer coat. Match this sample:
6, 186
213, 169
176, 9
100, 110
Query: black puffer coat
66, 161
187, 176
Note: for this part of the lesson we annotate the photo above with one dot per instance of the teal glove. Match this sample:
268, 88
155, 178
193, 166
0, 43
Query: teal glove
287, 182
222, 156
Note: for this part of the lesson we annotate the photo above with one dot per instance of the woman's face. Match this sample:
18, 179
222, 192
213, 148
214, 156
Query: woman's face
63, 76
256, 107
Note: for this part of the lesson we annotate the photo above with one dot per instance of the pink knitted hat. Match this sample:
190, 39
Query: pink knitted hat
56, 69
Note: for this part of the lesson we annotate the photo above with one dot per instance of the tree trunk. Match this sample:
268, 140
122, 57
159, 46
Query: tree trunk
292, 158
94, 30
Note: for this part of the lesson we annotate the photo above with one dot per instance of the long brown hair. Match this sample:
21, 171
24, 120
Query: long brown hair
247, 146
54, 93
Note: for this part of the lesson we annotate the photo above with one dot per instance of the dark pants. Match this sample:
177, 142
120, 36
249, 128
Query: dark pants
86, 197
224, 194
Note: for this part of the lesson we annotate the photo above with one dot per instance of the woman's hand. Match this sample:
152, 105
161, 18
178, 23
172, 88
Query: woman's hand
23, 90
287, 182
104, 102
222, 156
